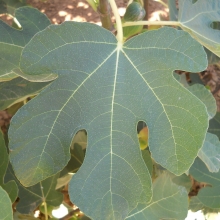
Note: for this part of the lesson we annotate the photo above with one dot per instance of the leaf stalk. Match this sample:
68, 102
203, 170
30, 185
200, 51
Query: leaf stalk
132, 23
118, 21
44, 202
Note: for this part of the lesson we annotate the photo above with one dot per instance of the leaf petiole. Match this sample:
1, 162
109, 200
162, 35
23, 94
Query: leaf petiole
44, 202
118, 21
132, 23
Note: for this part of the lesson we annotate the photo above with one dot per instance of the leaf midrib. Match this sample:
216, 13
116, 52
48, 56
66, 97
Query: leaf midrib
111, 126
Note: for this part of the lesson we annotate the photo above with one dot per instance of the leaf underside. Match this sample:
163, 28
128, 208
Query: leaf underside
210, 152
169, 201
31, 197
9, 6
214, 125
206, 97
17, 90
106, 88
10, 186
197, 18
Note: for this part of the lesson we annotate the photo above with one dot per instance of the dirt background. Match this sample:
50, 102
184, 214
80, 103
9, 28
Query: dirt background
59, 11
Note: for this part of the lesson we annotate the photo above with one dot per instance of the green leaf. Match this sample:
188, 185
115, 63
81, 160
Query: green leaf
10, 187
206, 97
81, 139
195, 204
147, 159
64, 180
201, 92
210, 152
19, 216
17, 90
12, 41
214, 125
77, 157
84, 218
3, 7
173, 12
8, 76
106, 88
132, 30
169, 202
212, 58
197, 18
195, 78
5, 206
182, 180
210, 195
77, 151
31, 197
9, 6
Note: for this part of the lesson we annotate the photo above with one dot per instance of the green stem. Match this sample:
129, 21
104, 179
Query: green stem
105, 14
118, 21
92, 4
44, 202
15, 20
132, 23
45, 210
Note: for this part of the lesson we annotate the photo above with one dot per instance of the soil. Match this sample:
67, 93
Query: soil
79, 10
5, 118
